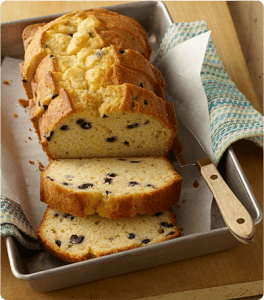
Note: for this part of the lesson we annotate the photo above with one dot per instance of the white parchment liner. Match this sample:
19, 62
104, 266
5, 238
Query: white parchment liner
181, 69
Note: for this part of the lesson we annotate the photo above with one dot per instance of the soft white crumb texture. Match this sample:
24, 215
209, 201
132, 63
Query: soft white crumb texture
115, 175
96, 235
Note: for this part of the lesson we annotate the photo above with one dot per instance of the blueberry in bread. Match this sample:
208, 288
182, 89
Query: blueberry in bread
75, 239
115, 188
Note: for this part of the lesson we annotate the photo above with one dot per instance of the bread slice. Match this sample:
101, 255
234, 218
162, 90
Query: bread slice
119, 120
74, 239
115, 188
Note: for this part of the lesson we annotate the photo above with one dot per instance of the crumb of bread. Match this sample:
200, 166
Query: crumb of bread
31, 162
15, 115
195, 184
23, 102
29, 138
185, 200
6, 82
30, 129
41, 167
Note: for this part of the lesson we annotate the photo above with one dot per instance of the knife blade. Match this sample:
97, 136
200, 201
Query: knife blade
189, 152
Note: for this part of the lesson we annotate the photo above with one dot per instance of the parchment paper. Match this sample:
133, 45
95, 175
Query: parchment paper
22, 153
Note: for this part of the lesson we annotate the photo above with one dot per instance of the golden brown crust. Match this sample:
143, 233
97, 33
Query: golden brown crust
57, 110
34, 54
133, 60
117, 75
120, 24
29, 32
131, 67
118, 207
109, 37
35, 35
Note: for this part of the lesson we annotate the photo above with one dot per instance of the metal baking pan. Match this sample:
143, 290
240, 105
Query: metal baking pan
44, 273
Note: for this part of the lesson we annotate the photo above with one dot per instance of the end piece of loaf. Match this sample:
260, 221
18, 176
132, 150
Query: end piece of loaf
112, 187
75, 239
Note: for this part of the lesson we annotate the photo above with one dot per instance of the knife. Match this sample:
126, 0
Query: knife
189, 152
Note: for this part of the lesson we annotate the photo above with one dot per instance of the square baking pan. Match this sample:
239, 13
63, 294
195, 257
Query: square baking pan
44, 272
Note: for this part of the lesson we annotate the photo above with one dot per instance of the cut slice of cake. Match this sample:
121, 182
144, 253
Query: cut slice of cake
115, 188
75, 239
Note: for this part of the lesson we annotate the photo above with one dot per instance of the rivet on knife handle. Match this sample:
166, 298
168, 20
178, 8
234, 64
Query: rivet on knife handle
234, 213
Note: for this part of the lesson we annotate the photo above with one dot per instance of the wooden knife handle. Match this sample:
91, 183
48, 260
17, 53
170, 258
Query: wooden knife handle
234, 213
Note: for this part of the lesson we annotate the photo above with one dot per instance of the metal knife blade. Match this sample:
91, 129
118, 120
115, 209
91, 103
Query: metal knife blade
186, 147
189, 152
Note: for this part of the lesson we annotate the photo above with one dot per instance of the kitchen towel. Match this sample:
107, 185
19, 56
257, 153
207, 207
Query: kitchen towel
14, 223
232, 118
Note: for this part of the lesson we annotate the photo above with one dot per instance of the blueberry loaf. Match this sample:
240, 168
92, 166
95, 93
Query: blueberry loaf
112, 187
75, 239
68, 34
90, 99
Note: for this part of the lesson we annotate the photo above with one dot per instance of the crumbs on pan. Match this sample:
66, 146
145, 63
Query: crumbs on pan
31, 162
41, 167
23, 102
196, 184
6, 82
29, 138
185, 200
15, 115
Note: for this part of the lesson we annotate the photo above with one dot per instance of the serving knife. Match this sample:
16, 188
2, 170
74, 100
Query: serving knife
189, 152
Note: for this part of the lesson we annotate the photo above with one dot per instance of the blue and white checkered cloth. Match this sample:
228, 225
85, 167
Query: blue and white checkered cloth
232, 118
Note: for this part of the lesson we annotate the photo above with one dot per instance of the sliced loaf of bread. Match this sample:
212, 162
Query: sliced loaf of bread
75, 239
115, 188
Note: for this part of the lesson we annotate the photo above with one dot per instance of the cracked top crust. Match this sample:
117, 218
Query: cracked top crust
68, 34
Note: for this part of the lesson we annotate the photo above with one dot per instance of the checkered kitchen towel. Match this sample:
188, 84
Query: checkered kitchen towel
232, 118
14, 223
